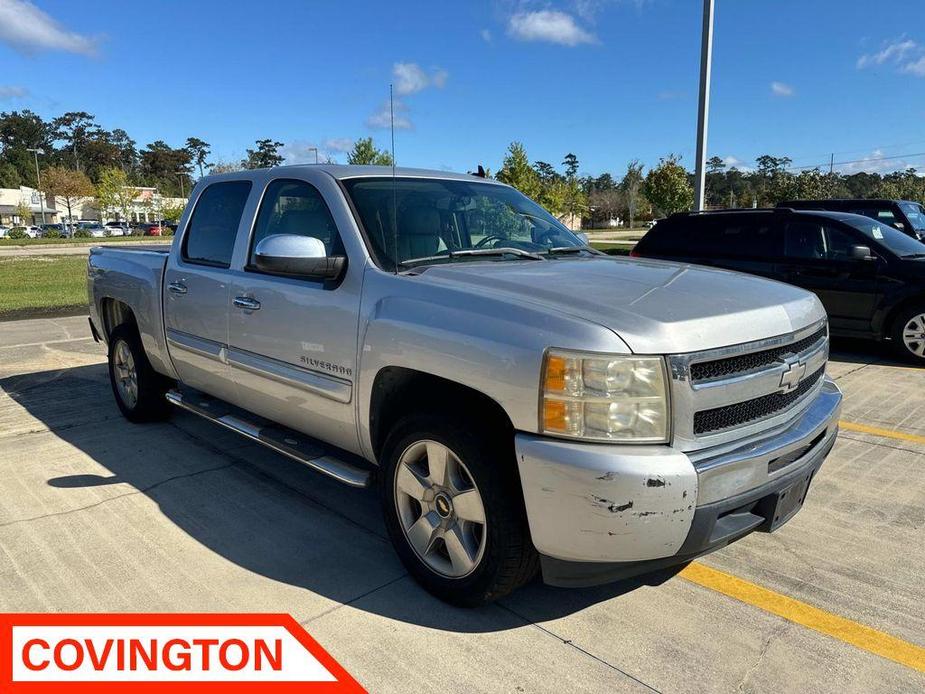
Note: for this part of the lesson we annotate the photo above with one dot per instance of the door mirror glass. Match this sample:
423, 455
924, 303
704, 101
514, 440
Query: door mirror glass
297, 256
861, 253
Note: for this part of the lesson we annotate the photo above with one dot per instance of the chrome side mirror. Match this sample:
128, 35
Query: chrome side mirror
297, 256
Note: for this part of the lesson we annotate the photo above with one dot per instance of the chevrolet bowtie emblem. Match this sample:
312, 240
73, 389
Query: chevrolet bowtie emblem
792, 375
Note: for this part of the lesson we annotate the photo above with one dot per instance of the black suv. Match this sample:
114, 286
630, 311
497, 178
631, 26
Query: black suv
869, 276
905, 215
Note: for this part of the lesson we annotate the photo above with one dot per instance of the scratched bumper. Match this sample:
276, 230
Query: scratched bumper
599, 513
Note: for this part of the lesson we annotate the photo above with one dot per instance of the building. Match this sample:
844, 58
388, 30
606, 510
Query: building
147, 206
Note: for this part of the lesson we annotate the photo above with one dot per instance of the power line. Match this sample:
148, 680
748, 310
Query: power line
866, 160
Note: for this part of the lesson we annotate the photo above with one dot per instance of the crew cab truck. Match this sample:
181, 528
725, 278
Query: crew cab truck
524, 402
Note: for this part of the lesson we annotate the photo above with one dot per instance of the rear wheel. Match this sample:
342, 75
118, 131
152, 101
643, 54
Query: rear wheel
454, 510
139, 390
909, 334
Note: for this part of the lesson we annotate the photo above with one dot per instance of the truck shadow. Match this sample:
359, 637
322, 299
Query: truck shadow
263, 512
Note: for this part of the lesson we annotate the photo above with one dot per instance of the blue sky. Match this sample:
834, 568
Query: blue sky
610, 80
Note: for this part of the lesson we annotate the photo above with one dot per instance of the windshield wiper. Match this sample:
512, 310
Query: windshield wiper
568, 250
913, 255
506, 250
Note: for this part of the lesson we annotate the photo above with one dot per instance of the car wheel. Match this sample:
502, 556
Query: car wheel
139, 390
454, 509
909, 334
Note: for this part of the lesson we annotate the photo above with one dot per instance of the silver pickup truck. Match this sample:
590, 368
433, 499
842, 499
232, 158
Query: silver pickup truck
526, 402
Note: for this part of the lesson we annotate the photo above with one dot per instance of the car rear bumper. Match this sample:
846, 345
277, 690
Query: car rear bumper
599, 513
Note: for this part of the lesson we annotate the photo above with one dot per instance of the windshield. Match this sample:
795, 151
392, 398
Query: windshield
915, 213
889, 237
443, 220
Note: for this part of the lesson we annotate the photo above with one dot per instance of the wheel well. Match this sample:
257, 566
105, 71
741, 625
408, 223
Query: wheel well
398, 392
898, 310
114, 313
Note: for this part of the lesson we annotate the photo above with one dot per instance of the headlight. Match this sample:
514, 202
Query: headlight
604, 398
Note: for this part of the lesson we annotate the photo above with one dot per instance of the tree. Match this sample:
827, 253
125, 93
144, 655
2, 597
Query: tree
198, 150
24, 212
606, 203
715, 165
517, 172
171, 211
220, 167
128, 154
70, 186
365, 152
20, 130
159, 165
571, 165
668, 188
74, 128
265, 156
114, 194
545, 171
631, 185
9, 176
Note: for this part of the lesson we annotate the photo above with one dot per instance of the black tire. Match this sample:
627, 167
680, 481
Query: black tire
150, 404
509, 559
900, 347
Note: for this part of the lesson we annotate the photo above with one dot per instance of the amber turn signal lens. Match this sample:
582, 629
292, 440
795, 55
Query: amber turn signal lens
555, 374
554, 418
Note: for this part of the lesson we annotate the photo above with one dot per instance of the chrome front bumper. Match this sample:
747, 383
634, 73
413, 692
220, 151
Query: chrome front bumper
598, 503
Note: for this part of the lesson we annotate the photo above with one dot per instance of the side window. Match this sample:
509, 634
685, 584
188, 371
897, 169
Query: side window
881, 214
818, 241
295, 207
212, 229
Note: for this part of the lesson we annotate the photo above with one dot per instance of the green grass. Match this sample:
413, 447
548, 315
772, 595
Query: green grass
612, 248
42, 284
85, 242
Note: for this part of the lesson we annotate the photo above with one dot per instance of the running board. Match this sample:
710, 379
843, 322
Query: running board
299, 447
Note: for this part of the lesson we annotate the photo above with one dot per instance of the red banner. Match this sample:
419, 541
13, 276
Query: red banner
174, 653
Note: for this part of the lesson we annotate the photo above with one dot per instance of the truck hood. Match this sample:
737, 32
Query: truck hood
655, 307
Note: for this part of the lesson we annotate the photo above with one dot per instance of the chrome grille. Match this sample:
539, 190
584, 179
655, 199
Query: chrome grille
754, 361
721, 395
720, 418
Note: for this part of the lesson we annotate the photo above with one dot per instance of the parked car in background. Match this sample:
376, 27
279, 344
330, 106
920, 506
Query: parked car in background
32, 231
118, 229
96, 230
4, 231
151, 229
531, 403
906, 215
869, 276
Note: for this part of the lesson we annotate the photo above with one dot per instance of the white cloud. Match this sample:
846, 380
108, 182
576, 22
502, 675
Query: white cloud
735, 162
29, 30
411, 78
303, 151
892, 52
551, 26
781, 89
8, 93
877, 162
381, 118
915, 67
338, 144
486, 35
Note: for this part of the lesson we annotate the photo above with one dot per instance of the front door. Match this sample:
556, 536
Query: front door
819, 259
197, 289
292, 342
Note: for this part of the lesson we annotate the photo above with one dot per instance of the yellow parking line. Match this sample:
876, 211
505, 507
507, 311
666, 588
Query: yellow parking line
877, 431
845, 630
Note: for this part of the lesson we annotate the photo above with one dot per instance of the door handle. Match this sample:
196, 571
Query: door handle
177, 287
246, 302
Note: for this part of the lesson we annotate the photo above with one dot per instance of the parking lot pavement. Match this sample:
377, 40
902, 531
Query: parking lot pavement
97, 514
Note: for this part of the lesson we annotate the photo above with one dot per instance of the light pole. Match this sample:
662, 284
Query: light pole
38, 179
315, 149
180, 175
706, 58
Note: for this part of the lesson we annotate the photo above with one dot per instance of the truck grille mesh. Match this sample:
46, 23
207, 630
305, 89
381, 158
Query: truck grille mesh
754, 361
719, 418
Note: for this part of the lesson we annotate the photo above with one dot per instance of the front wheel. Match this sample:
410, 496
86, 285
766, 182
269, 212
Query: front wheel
454, 510
909, 334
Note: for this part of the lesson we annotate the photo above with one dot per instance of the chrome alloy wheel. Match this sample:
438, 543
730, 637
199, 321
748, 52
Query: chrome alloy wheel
123, 364
914, 335
440, 509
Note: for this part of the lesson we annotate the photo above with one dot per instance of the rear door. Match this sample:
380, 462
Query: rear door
292, 340
819, 257
197, 288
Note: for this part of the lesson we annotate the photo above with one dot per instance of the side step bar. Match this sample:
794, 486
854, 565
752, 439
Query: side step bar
297, 446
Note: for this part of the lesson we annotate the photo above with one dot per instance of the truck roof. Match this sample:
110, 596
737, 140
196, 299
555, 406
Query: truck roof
346, 171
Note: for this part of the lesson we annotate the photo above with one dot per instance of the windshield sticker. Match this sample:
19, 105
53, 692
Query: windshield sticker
877, 234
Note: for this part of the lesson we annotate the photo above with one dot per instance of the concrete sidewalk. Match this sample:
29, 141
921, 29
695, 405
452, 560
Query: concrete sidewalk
98, 514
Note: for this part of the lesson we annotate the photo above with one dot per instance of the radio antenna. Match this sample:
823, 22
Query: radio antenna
394, 183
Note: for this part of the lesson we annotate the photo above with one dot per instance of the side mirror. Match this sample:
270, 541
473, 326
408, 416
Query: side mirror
297, 256
861, 253
584, 238
900, 226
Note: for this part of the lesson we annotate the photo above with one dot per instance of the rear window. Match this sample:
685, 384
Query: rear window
212, 229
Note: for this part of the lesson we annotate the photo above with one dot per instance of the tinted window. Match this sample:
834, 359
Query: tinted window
715, 237
881, 214
211, 231
915, 214
295, 207
817, 240
884, 235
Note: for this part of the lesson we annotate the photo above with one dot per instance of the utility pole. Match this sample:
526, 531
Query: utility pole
180, 175
38, 180
832, 164
315, 149
706, 58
